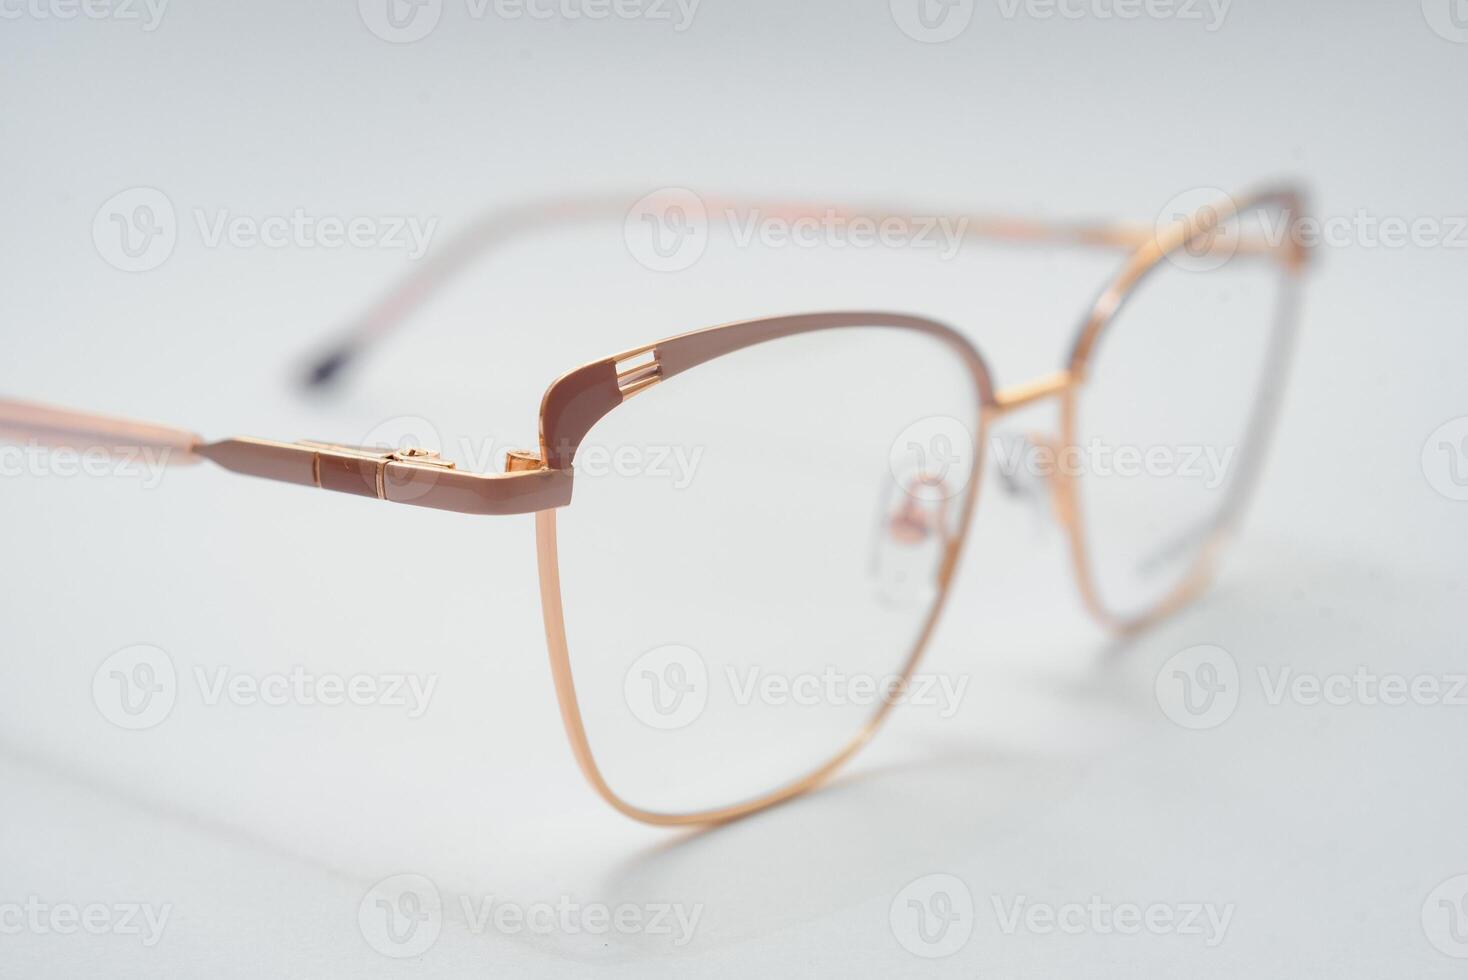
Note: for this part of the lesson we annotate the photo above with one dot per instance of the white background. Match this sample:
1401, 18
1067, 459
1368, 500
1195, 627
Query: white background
263, 829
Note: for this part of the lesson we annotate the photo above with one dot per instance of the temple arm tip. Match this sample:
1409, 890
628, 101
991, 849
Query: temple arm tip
325, 370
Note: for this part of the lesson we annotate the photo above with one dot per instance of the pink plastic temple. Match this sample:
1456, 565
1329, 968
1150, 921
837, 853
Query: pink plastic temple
66, 428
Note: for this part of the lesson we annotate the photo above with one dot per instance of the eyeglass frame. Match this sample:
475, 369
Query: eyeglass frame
540, 481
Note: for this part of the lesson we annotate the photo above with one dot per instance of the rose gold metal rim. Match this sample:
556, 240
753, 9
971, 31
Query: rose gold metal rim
688, 350
539, 482
1068, 503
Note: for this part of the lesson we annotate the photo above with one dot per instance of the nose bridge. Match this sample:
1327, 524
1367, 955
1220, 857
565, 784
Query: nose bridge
1053, 385
1052, 480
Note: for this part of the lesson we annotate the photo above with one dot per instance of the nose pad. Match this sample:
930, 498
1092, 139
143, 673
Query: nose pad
912, 539
1030, 470
1021, 468
1060, 480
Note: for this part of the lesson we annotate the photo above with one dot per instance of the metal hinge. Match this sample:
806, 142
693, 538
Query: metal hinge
522, 461
333, 466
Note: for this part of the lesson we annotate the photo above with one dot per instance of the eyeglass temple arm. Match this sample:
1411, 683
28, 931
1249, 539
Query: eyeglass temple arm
498, 227
410, 476
61, 428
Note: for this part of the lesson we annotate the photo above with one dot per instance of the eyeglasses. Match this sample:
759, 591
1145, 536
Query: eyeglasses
762, 540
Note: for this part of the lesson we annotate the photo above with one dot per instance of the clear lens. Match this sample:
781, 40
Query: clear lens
753, 555
1175, 407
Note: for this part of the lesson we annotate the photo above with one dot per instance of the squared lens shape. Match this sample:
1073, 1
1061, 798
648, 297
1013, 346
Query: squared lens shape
1170, 424
756, 550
